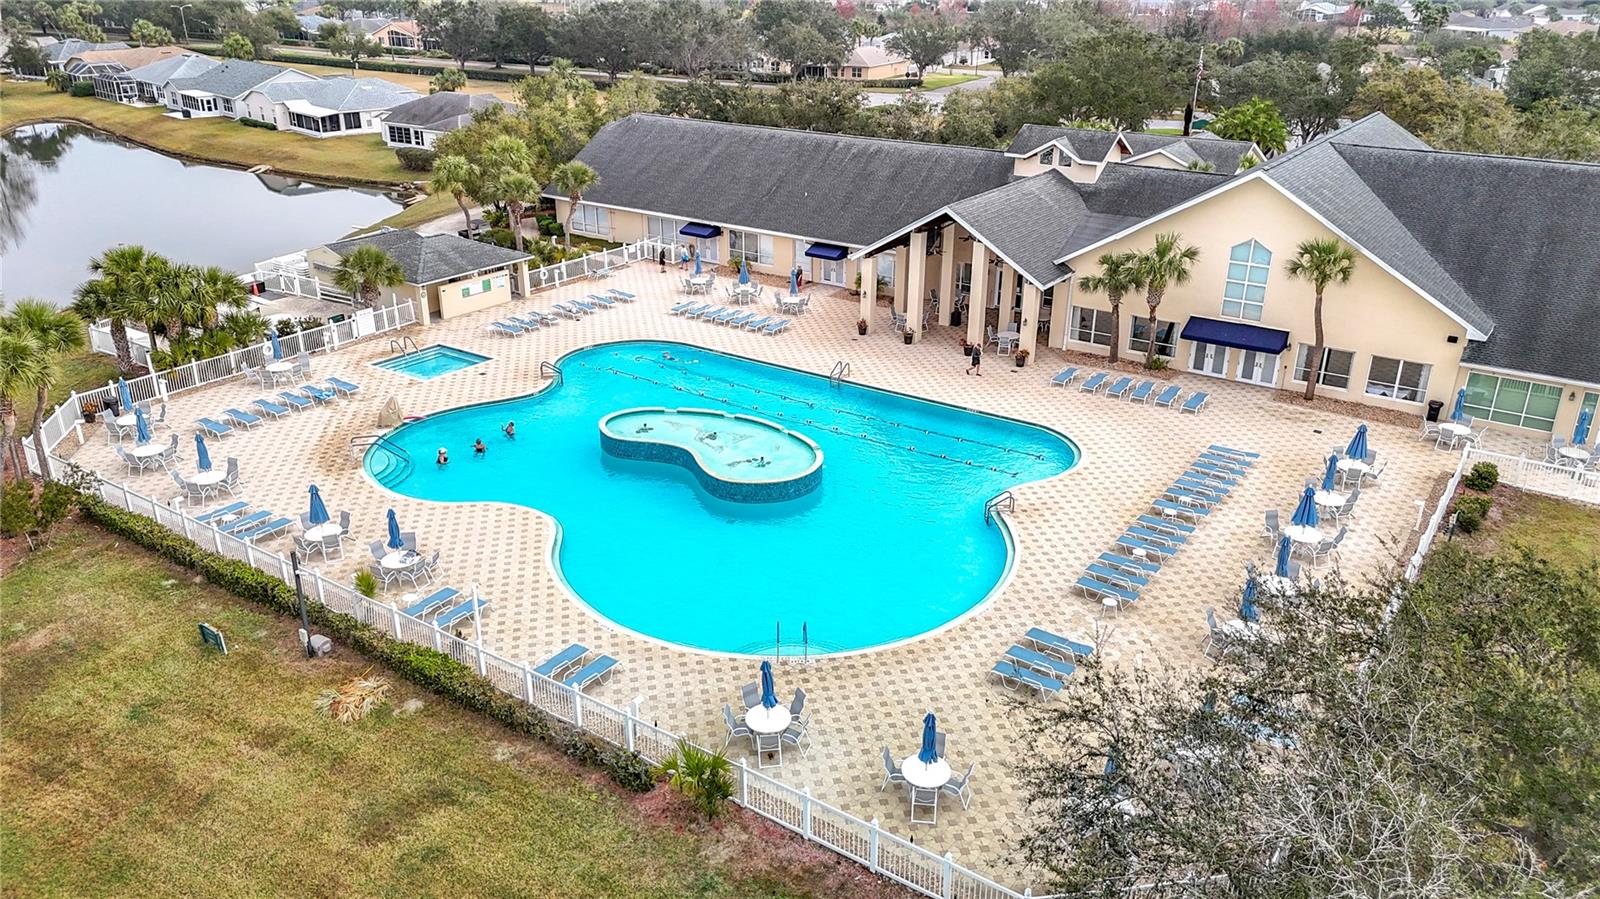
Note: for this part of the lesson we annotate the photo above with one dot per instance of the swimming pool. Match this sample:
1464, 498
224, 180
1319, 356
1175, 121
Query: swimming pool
892, 544
431, 361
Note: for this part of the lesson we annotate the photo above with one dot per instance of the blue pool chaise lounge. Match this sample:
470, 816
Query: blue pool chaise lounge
1039, 662
318, 394
775, 328
295, 400
457, 614
1168, 396
1013, 675
242, 418
232, 508
1141, 394
594, 672
340, 385
570, 656
1046, 641
270, 408
621, 294
1064, 377
1095, 382
213, 428
431, 601
1102, 590
1120, 389
1195, 402
505, 329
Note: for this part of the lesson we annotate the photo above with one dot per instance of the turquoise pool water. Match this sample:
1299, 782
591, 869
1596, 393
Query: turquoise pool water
431, 362
891, 545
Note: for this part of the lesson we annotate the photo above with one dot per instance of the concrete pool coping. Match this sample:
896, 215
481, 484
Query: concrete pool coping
480, 358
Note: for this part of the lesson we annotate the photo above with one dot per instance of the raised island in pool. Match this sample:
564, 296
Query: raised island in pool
739, 458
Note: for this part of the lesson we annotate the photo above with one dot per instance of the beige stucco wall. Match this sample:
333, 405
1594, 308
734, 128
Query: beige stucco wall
1159, 161
1375, 314
1077, 171
446, 301
875, 73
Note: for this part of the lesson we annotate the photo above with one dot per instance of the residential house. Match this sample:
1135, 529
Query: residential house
403, 34
446, 275
1503, 28
146, 85
311, 25
1470, 271
219, 91
1083, 153
56, 54
89, 64
1570, 27
968, 54
421, 122
874, 62
327, 107
1320, 10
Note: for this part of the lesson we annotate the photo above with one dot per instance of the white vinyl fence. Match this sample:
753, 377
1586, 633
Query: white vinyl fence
1536, 476
599, 264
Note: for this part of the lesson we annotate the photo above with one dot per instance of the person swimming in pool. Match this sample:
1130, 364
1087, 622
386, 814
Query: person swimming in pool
511, 430
667, 355
444, 457
478, 448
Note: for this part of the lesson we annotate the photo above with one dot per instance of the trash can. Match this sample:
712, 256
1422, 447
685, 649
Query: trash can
1434, 406
955, 318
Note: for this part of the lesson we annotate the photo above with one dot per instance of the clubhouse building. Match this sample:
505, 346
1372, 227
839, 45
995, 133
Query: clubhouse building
1472, 271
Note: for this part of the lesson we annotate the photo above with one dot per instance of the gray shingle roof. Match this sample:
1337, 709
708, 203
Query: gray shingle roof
436, 257
1037, 220
826, 187
1092, 145
1088, 144
188, 65
61, 51
444, 111
231, 78
343, 93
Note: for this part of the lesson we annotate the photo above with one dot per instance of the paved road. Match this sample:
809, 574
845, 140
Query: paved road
935, 96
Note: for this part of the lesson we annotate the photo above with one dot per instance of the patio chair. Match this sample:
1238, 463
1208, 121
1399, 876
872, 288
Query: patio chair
1049, 643
1064, 377
1219, 638
113, 432
1120, 389
939, 737
1429, 429
307, 547
252, 374
230, 477
1475, 437
796, 735
573, 654
1005, 346
1328, 547
1273, 529
430, 565
159, 420
924, 799
989, 335
333, 544
213, 428
344, 521
1095, 382
1168, 396
408, 540
961, 787
377, 549
891, 771
1552, 450
593, 673
735, 728
797, 705
1349, 508
1375, 475
1143, 392
1195, 402
302, 364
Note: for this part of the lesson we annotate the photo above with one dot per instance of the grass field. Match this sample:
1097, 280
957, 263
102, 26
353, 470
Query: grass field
936, 81
138, 762
82, 371
1564, 532
362, 158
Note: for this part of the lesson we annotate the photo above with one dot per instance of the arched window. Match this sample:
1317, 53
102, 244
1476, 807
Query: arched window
1245, 293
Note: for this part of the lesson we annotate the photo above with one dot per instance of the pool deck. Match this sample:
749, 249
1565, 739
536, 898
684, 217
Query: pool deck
866, 701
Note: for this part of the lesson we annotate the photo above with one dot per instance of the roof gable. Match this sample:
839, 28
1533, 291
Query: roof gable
444, 111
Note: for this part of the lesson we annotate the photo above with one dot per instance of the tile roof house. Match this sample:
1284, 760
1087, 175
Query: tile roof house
217, 91
874, 62
146, 85
327, 107
420, 122
1502, 27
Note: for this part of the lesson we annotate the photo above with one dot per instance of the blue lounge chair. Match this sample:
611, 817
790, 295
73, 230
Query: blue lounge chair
566, 311
585, 305
1175, 541
1191, 497
1141, 394
1129, 563
1202, 485
1048, 642
268, 529
245, 523
561, 661
759, 323
705, 310
222, 512
1120, 389
242, 418
506, 329
318, 394
1102, 590
1064, 377
1130, 543
1168, 396
738, 320
776, 327
621, 294
531, 324
1245, 456
1095, 382
722, 316
603, 300
1214, 470
340, 385
1013, 675
270, 408
1038, 661
295, 400
213, 428
1156, 523
682, 307
1118, 576
1167, 505
1227, 463
436, 598
1195, 402
543, 318
594, 672
461, 612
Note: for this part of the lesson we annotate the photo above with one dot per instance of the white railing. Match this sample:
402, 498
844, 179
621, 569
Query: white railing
67, 418
1425, 542
601, 262
138, 342
1537, 476
928, 873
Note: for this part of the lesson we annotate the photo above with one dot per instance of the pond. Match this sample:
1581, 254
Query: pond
68, 193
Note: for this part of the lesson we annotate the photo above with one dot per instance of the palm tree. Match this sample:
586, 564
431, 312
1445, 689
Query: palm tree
451, 175
1119, 273
55, 333
95, 299
23, 367
216, 290
1322, 261
175, 305
573, 178
130, 277
366, 271
1163, 265
517, 189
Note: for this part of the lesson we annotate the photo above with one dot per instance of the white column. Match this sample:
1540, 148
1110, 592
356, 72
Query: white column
1030, 317
900, 268
1059, 304
977, 313
868, 274
947, 274
916, 275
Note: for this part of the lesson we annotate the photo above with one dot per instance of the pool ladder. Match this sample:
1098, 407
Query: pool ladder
1005, 500
550, 370
841, 370
399, 344
399, 463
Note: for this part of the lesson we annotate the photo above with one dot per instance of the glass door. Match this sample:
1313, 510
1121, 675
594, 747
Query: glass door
1208, 359
1258, 368
830, 271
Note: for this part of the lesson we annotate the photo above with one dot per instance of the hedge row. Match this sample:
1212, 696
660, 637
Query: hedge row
382, 65
428, 668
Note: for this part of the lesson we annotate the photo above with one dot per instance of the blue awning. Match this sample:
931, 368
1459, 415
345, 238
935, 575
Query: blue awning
1236, 334
696, 229
827, 251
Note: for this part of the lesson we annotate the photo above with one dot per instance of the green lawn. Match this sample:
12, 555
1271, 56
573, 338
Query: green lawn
137, 762
1566, 533
83, 371
936, 81
362, 158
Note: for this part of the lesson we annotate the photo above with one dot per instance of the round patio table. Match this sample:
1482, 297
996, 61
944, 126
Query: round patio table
400, 558
1329, 498
208, 478
1278, 586
125, 421
763, 720
925, 775
1575, 453
146, 450
324, 531
1303, 533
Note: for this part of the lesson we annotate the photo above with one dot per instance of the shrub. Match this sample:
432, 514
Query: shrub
547, 224
703, 776
500, 237
1482, 477
898, 83
415, 159
428, 668
1470, 512
81, 89
256, 123
17, 514
366, 584
1159, 363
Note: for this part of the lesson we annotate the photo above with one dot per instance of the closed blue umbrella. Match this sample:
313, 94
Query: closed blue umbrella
1305, 514
277, 348
744, 272
1460, 407
1247, 602
141, 427
794, 282
124, 394
1330, 477
929, 753
697, 263
394, 532
318, 512
1282, 568
1358, 445
202, 459
1580, 433
769, 694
